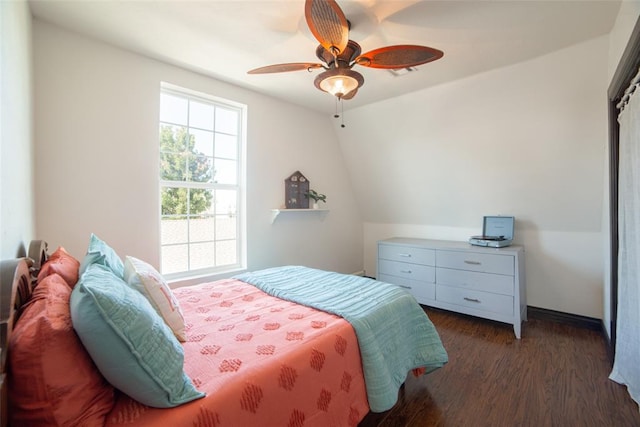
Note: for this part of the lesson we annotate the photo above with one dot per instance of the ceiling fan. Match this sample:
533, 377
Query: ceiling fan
330, 27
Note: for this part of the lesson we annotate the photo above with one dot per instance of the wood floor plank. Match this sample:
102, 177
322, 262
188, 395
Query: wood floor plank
556, 375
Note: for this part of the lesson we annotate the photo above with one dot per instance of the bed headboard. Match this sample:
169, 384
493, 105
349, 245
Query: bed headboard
38, 254
17, 279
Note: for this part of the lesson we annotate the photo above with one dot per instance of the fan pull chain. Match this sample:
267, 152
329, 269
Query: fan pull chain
341, 115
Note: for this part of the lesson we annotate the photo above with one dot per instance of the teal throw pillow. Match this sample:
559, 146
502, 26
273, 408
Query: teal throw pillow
128, 341
99, 252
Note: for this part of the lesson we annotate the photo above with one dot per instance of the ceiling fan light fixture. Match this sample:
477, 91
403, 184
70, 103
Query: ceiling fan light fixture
339, 81
338, 53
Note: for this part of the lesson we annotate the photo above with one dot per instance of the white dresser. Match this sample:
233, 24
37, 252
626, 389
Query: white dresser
456, 276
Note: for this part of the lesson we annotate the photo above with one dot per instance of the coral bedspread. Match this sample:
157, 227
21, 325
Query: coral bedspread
261, 361
394, 333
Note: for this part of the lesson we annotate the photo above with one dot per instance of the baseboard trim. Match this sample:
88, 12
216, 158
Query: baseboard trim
566, 318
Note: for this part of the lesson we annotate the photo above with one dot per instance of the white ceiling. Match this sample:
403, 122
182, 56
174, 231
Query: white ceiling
225, 39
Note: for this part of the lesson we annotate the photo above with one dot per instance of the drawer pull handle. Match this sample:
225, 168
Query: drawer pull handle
471, 299
466, 261
405, 255
406, 287
405, 271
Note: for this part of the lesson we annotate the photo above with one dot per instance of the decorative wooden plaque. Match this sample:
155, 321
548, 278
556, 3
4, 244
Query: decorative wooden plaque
295, 188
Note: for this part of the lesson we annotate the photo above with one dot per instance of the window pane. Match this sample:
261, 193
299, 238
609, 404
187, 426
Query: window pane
225, 227
226, 202
225, 172
174, 201
200, 168
202, 255
201, 115
202, 229
174, 230
173, 139
226, 252
226, 146
173, 109
203, 144
173, 167
226, 121
175, 259
200, 202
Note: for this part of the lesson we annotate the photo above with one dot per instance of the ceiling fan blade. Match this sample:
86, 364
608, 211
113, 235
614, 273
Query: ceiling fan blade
282, 68
399, 56
327, 24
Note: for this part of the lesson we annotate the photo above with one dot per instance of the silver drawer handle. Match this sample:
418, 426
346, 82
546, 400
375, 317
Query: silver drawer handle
405, 255
406, 287
471, 299
466, 261
405, 271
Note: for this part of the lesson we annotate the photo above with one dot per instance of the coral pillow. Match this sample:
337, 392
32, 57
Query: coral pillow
62, 263
53, 380
146, 280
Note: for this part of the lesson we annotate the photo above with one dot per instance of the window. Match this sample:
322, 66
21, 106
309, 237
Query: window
201, 183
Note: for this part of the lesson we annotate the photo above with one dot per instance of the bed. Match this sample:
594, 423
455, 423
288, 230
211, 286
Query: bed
288, 346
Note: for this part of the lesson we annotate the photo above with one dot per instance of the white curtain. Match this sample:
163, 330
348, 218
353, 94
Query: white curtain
626, 367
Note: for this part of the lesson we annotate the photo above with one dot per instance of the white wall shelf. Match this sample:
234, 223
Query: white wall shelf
276, 212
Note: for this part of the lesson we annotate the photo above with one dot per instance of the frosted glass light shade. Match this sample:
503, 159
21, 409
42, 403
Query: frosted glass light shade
339, 81
339, 85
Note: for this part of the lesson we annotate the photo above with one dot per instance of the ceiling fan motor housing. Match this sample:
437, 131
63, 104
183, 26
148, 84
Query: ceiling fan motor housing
345, 58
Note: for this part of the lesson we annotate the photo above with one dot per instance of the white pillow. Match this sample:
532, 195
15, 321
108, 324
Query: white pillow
145, 279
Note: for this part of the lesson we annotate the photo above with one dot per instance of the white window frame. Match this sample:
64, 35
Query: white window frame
240, 186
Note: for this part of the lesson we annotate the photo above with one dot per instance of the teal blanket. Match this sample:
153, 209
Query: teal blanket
394, 333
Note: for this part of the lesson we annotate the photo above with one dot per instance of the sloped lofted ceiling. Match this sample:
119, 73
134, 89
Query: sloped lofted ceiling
225, 39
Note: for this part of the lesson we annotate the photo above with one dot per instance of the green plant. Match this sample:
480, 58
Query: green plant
317, 197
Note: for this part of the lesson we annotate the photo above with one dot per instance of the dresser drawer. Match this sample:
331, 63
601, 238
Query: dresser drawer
422, 291
496, 283
423, 273
407, 254
473, 261
495, 303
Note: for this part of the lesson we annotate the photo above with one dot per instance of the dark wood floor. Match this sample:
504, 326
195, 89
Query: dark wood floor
556, 375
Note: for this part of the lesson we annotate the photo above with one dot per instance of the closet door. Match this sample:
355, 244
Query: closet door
625, 72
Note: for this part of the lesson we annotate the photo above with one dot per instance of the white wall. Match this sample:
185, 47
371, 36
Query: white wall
417, 164
16, 139
620, 33
526, 140
618, 38
97, 158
